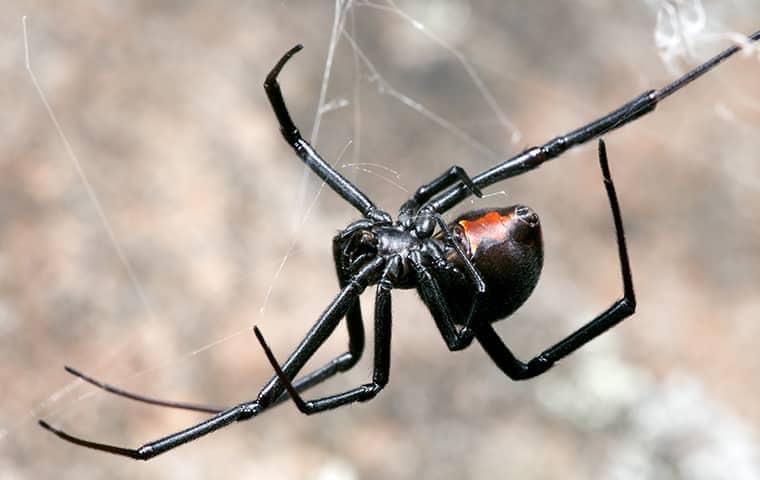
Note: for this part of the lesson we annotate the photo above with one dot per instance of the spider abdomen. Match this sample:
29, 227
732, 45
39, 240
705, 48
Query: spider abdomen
506, 248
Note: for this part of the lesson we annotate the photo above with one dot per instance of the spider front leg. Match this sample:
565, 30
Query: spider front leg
446, 179
424, 218
617, 312
382, 361
308, 154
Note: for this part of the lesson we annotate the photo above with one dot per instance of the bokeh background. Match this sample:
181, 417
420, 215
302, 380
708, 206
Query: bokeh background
162, 105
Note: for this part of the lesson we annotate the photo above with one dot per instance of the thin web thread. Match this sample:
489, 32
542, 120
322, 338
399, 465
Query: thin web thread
386, 88
91, 194
489, 98
339, 19
102, 217
383, 87
344, 10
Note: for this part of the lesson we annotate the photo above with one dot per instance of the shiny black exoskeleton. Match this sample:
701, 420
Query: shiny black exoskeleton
478, 269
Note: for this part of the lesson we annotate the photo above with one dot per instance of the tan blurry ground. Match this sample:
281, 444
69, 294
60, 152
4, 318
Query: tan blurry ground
164, 108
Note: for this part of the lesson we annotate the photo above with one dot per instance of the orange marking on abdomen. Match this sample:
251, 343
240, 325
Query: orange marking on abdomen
491, 226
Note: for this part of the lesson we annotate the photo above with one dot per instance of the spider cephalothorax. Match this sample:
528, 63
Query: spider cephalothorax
479, 268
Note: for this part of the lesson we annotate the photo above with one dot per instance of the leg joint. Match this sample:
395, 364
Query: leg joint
628, 305
370, 391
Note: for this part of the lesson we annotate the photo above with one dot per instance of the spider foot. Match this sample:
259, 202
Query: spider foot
275, 72
297, 399
126, 452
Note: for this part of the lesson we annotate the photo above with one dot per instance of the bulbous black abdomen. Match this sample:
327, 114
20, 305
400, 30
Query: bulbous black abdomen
506, 248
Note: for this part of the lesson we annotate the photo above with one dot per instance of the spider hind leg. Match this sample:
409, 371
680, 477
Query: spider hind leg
617, 312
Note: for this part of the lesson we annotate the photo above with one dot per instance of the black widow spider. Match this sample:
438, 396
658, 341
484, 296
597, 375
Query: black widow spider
478, 269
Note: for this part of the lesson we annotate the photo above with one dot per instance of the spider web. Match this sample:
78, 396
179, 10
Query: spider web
684, 33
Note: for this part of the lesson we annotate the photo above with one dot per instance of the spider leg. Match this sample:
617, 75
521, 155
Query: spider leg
322, 329
381, 369
477, 280
308, 154
535, 156
243, 411
617, 312
431, 294
354, 323
340, 363
268, 396
302, 384
437, 185
143, 398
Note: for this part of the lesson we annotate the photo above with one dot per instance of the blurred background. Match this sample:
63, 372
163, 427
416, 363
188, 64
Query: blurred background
196, 221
